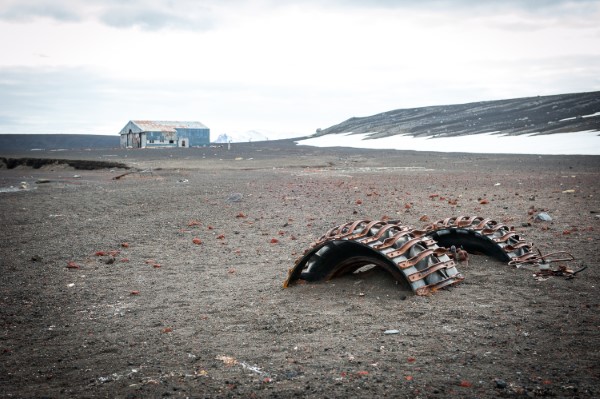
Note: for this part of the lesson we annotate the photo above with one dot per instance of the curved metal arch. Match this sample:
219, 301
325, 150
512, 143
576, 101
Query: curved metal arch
412, 259
416, 257
469, 240
336, 258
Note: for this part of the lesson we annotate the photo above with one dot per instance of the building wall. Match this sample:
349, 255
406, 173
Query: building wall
194, 137
161, 139
180, 138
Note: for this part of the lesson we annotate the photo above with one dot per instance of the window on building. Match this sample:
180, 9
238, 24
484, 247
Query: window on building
171, 141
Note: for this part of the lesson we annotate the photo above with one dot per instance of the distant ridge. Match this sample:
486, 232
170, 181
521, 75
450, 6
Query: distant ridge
561, 113
27, 142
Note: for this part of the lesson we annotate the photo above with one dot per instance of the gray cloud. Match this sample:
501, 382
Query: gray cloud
26, 10
146, 14
204, 15
155, 19
460, 4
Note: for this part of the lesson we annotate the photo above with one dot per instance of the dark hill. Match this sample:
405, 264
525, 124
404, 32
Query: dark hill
543, 114
26, 142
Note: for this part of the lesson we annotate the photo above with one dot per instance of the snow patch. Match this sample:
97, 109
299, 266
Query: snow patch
583, 116
577, 143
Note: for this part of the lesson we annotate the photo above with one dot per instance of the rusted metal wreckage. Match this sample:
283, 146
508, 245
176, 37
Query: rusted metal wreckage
425, 258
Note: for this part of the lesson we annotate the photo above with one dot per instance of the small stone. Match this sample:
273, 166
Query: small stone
235, 197
501, 384
390, 332
542, 217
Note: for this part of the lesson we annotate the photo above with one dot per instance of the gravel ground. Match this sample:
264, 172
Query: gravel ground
168, 281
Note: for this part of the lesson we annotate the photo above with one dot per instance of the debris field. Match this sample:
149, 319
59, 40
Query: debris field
168, 281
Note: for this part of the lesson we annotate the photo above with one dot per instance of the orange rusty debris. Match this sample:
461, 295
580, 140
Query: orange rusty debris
72, 265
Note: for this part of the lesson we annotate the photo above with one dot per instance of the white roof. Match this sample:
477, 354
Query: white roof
167, 126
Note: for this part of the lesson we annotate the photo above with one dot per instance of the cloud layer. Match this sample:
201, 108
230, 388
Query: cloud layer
207, 14
281, 66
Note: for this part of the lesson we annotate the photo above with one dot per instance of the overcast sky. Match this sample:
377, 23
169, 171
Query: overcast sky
282, 67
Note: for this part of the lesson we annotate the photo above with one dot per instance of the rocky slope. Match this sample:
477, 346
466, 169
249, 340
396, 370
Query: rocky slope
543, 114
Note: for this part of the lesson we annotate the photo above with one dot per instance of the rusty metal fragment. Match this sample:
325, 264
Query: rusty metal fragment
419, 257
400, 250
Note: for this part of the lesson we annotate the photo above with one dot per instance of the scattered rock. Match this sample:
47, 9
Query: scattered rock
542, 217
501, 384
235, 197
390, 332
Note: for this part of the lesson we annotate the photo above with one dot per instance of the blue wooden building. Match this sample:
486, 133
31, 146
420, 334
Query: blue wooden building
150, 134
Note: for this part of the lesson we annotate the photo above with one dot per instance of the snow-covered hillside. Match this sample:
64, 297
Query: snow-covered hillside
576, 143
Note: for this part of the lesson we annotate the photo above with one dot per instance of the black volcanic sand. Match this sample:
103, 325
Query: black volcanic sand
164, 316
